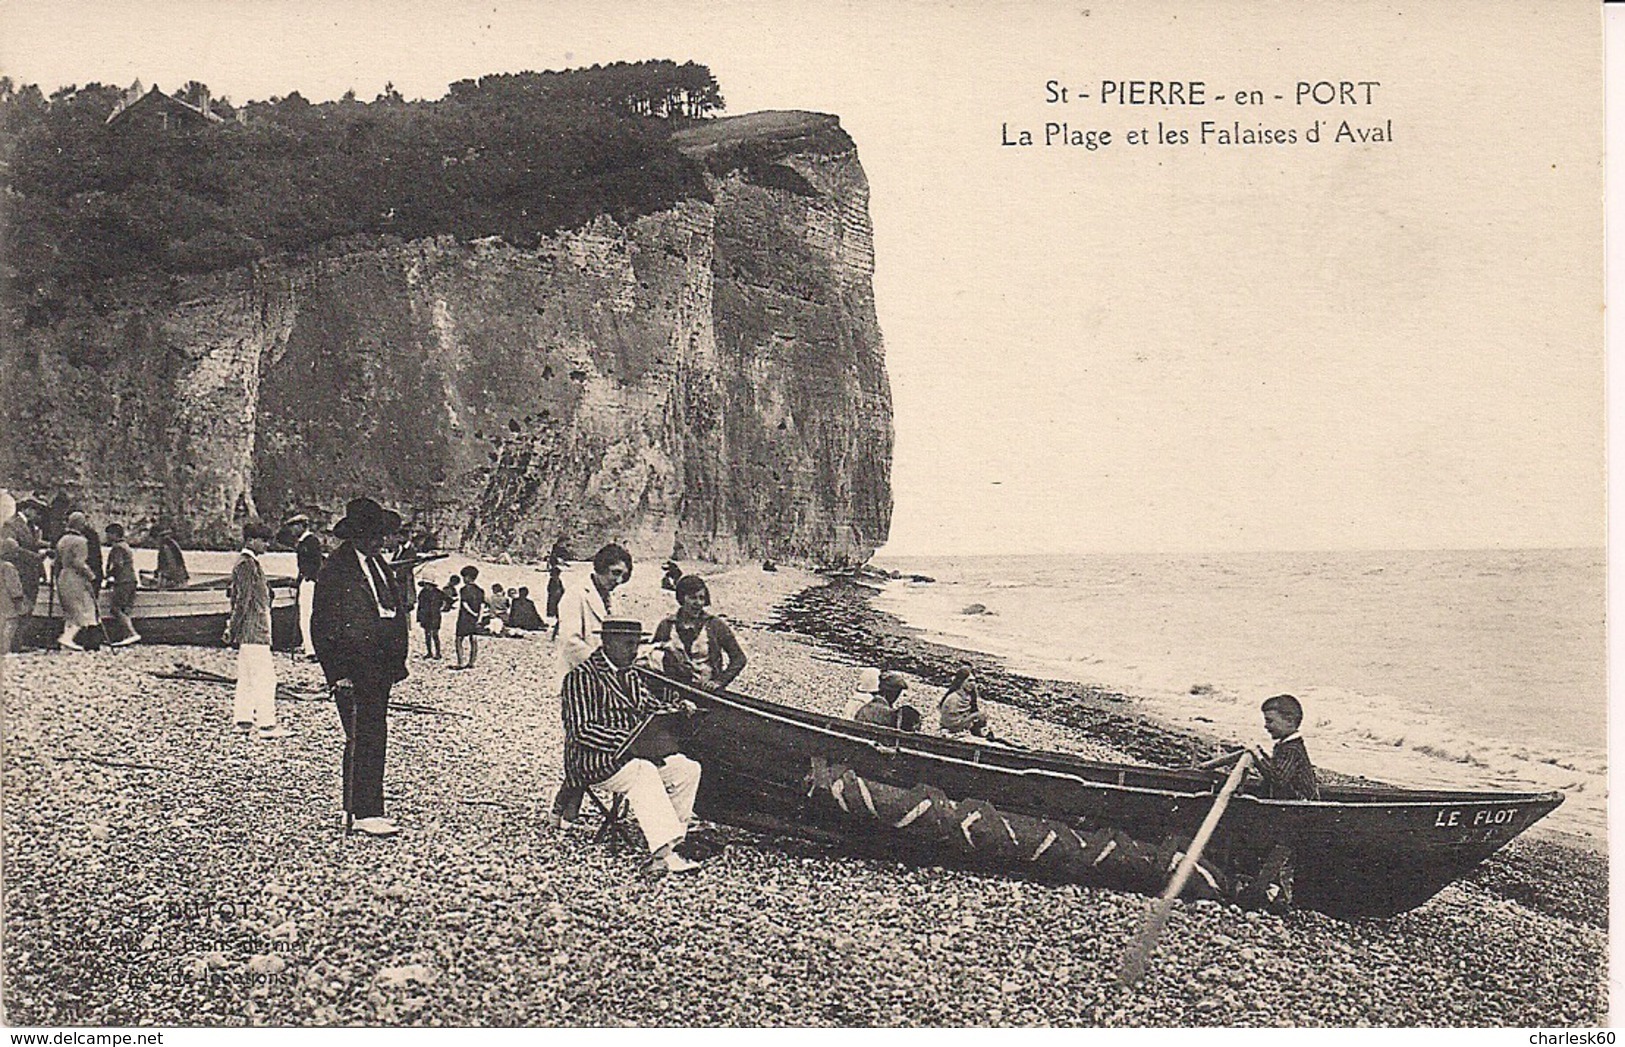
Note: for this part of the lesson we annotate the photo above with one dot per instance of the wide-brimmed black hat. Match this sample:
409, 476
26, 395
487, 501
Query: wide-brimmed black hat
365, 518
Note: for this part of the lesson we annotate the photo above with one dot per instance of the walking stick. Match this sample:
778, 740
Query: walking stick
1139, 953
349, 754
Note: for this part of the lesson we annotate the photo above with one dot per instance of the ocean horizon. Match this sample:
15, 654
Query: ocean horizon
1444, 668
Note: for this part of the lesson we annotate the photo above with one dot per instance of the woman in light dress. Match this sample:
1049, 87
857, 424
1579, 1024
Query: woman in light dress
75, 581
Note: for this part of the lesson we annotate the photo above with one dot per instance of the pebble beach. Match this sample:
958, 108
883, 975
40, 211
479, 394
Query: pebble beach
160, 869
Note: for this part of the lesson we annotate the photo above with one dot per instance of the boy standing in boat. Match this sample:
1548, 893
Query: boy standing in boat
1287, 771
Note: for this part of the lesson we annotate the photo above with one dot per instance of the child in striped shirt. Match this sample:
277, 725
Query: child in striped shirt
1287, 772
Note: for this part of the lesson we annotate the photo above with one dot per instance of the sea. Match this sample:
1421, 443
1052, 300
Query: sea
1475, 669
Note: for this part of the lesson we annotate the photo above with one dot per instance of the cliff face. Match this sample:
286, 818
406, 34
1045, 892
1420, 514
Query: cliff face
706, 381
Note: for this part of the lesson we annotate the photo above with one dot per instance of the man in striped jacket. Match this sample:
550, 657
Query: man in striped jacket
581, 613
604, 706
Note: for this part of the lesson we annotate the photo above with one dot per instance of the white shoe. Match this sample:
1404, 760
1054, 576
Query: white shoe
678, 864
275, 732
67, 643
378, 826
128, 640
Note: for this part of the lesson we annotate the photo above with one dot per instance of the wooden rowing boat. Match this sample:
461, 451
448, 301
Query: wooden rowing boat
1354, 852
195, 614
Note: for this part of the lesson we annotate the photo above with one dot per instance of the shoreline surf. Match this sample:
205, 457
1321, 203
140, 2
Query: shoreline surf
1115, 639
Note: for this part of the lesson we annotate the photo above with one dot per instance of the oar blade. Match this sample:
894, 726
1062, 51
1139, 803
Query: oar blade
1138, 956
1139, 953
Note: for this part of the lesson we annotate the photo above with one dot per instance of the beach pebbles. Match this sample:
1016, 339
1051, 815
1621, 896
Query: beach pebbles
162, 870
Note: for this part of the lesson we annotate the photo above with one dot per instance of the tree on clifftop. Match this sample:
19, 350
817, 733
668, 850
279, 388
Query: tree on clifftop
661, 89
513, 155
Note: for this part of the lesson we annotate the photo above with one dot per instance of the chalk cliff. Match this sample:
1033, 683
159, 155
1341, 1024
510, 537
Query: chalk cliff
706, 381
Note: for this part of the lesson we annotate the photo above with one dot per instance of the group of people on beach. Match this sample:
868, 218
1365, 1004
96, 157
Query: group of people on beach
502, 612
359, 604
355, 604
76, 567
877, 699
614, 735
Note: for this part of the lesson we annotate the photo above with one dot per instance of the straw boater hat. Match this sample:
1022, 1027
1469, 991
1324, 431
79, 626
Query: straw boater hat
365, 518
296, 518
868, 682
620, 627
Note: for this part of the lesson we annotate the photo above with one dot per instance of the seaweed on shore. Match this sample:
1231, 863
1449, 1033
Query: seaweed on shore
1545, 876
838, 615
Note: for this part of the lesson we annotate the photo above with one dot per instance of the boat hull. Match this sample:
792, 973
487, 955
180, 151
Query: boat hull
1355, 852
195, 615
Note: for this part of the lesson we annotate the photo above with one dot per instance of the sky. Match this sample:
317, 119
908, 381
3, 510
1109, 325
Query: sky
1137, 347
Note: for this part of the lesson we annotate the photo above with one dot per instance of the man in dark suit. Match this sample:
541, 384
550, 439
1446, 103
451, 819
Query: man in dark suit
358, 623
307, 547
31, 560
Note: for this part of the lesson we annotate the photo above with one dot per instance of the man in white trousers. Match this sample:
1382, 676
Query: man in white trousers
307, 548
605, 705
582, 611
249, 628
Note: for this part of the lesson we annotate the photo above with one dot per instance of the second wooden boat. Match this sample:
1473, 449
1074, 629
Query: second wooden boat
195, 615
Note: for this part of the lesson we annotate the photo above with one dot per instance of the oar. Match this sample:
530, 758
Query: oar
1139, 954
1218, 761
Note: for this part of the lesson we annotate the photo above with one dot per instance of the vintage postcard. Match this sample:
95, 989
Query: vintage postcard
900, 514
